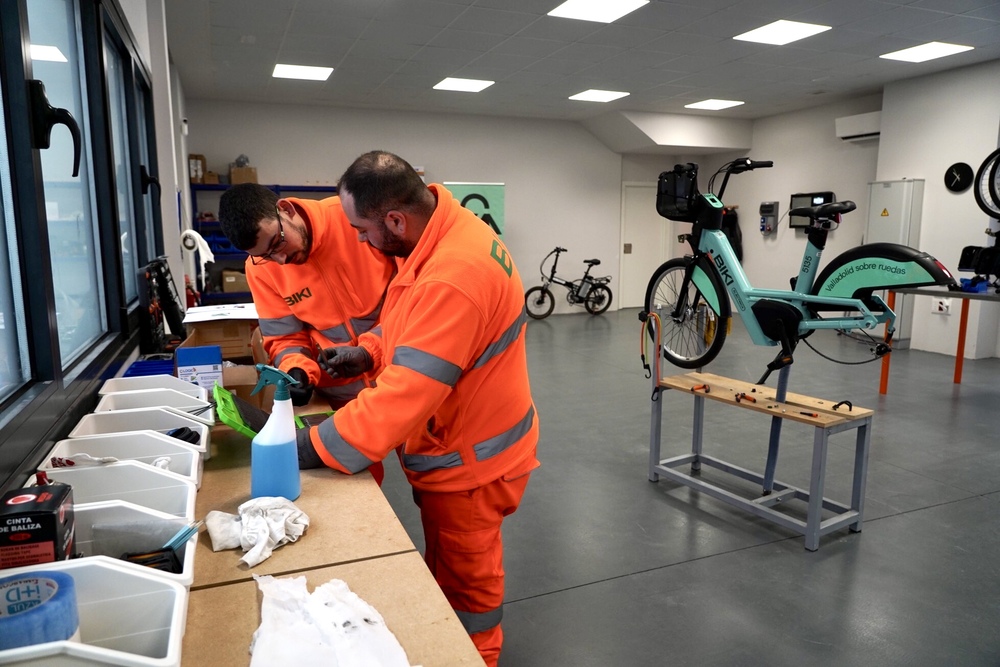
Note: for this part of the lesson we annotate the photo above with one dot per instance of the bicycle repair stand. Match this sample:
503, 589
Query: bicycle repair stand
826, 417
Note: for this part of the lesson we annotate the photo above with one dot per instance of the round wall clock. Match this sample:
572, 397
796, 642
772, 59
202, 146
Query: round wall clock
958, 177
986, 189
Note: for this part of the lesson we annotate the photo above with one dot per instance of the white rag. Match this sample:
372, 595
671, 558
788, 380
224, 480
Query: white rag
263, 525
331, 627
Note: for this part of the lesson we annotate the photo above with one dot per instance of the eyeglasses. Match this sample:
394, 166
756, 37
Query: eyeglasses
276, 245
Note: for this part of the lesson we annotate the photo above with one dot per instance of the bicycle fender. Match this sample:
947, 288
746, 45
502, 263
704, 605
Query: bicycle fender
858, 272
706, 278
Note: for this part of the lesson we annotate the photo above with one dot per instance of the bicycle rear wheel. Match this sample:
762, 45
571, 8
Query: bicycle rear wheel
598, 300
694, 324
539, 303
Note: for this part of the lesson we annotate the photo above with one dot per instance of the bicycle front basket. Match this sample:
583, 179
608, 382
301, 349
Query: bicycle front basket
677, 192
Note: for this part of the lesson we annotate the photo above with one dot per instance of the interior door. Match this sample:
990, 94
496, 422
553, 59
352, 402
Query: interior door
647, 241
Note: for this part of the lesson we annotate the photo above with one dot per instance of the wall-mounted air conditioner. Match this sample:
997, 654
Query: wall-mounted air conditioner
862, 127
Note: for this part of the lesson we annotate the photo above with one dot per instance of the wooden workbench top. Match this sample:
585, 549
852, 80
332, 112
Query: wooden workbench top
804, 409
349, 517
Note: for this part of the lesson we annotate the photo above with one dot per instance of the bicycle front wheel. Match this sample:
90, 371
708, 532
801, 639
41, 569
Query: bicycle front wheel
694, 324
598, 299
539, 303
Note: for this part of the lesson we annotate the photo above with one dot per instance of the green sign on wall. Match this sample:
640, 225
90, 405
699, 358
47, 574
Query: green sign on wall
483, 199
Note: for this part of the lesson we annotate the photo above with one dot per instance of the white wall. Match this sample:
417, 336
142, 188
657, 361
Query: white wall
563, 187
929, 123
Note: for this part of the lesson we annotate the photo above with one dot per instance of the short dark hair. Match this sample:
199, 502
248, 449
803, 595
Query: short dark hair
380, 181
241, 209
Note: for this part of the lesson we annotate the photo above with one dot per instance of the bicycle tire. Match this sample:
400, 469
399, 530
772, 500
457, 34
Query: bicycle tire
598, 300
695, 337
539, 303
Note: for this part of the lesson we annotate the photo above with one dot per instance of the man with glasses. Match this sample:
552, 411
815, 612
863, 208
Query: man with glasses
313, 284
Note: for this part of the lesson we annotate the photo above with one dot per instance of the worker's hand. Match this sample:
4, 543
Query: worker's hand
302, 392
345, 361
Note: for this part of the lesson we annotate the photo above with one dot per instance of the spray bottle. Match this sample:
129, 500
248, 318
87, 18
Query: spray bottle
274, 458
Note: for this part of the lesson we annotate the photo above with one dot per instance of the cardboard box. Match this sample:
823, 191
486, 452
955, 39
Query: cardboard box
37, 525
210, 178
242, 175
196, 167
228, 326
234, 281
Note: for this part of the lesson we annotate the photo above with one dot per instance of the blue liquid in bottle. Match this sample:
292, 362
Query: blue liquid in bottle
274, 470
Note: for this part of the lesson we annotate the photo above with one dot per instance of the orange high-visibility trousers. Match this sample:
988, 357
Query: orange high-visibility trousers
464, 552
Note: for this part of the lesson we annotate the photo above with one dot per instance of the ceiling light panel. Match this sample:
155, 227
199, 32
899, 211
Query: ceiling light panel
599, 11
713, 105
463, 85
782, 32
306, 72
925, 52
594, 95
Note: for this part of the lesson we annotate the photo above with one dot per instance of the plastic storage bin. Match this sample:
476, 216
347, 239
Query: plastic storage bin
153, 382
130, 481
161, 420
128, 616
117, 527
197, 408
143, 446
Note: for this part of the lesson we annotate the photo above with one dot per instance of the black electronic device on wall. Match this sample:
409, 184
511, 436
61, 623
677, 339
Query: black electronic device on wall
807, 199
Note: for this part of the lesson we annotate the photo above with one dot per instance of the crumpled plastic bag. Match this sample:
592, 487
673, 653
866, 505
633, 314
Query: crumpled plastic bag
330, 627
263, 525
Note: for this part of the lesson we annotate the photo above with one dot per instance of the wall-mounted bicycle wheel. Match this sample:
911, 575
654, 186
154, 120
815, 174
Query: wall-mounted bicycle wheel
539, 302
693, 324
598, 299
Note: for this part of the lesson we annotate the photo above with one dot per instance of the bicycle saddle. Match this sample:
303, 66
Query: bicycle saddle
592, 262
824, 210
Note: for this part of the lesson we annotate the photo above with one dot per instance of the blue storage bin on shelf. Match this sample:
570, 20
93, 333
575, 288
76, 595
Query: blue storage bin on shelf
150, 367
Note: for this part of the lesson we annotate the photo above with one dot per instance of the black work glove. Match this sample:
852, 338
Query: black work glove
308, 458
345, 362
302, 392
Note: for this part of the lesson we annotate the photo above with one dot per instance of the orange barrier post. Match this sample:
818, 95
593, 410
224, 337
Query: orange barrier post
883, 385
960, 352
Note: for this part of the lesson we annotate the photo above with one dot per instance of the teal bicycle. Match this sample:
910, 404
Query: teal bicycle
693, 297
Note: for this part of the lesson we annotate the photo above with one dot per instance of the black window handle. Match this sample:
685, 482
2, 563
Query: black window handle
44, 116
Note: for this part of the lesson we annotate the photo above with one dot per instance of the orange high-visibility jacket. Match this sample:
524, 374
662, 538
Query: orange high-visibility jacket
330, 300
454, 385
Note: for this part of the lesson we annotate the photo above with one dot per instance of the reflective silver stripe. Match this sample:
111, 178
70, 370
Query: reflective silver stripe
280, 326
376, 331
505, 340
340, 449
342, 392
287, 351
480, 622
427, 364
337, 334
498, 443
363, 324
425, 463
484, 450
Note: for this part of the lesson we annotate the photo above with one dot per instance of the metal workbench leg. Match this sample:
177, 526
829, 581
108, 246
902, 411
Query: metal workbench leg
655, 423
814, 515
862, 444
772, 445
697, 432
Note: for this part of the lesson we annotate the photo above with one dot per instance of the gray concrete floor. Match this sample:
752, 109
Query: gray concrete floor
605, 568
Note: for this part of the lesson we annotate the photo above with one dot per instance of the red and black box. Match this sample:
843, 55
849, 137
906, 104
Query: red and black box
37, 525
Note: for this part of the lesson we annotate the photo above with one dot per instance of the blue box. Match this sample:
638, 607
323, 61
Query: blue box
200, 364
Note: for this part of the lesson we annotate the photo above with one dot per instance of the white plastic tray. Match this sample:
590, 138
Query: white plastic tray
153, 382
130, 481
142, 446
116, 527
128, 616
158, 398
139, 419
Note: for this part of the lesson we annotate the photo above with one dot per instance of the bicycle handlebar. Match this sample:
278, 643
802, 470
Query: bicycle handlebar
746, 164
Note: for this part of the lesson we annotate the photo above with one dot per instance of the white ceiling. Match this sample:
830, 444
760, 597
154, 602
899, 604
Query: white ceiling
387, 54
